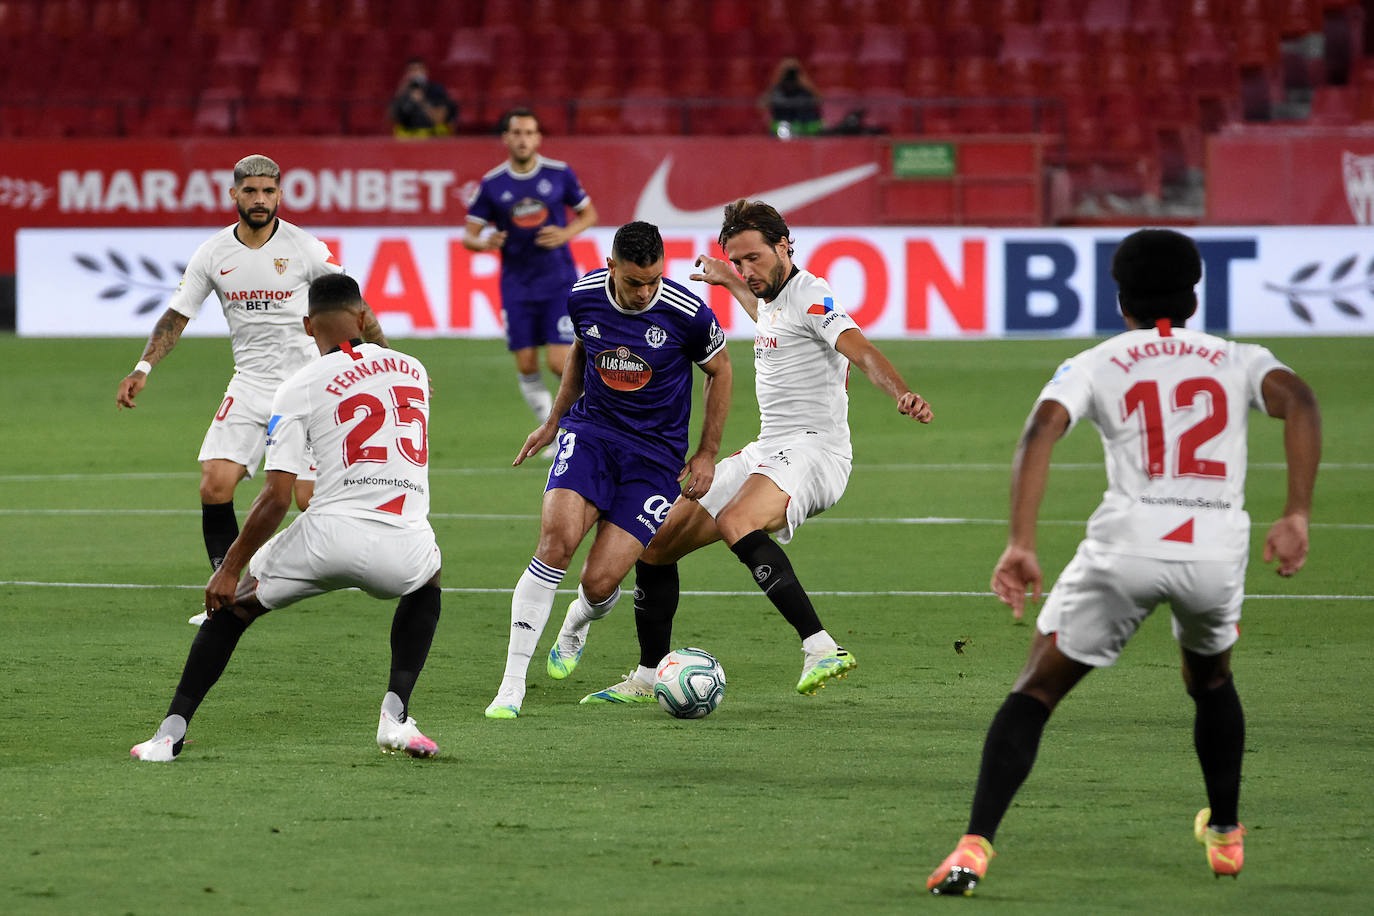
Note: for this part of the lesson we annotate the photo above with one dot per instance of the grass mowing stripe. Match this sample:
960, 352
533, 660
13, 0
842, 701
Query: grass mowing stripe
518, 516
506, 469
724, 593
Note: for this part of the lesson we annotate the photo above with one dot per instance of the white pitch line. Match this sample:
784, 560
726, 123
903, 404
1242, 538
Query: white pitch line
529, 517
482, 471
883, 593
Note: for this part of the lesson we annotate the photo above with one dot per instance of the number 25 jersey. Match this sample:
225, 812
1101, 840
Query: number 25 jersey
364, 409
1172, 407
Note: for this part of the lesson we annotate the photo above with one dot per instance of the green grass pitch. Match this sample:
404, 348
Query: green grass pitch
776, 803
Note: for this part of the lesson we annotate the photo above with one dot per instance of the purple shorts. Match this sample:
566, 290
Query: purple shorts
537, 322
631, 492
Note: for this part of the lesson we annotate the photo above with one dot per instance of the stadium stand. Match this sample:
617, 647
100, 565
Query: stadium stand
1124, 90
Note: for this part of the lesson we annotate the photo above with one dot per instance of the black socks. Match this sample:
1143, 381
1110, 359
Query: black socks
656, 594
1008, 755
773, 573
412, 632
210, 651
1219, 736
220, 526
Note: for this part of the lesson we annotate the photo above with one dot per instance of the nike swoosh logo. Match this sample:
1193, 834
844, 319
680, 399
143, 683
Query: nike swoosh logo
229, 271
655, 207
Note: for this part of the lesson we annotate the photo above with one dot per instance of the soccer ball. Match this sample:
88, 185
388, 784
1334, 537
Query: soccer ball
689, 683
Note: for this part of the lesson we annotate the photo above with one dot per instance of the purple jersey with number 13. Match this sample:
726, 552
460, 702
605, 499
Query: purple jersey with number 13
637, 386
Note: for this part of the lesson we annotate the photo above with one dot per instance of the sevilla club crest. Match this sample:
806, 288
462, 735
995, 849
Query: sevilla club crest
280, 264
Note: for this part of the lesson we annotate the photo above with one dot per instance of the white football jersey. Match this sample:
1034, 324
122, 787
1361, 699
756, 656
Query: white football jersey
263, 294
1172, 408
364, 409
800, 379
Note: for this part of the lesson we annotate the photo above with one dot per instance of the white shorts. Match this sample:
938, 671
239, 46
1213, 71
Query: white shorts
812, 477
323, 553
1102, 598
238, 431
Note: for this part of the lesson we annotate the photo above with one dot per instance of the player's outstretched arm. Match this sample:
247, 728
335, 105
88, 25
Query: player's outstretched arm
1018, 568
569, 390
164, 337
267, 512
1291, 399
700, 470
719, 273
860, 351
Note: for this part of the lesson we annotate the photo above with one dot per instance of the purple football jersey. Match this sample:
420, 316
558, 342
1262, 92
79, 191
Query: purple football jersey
520, 205
637, 386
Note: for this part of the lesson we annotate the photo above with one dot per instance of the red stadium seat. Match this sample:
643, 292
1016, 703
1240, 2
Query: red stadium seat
694, 79
367, 117
1333, 106
880, 76
639, 14
649, 112
1021, 42
355, 16
866, 13
1012, 12
18, 18
1102, 15
312, 16
64, 18
891, 111
163, 119
918, 12
115, 18
1064, 40
928, 78
469, 46
280, 78
881, 44
726, 117
833, 77
641, 45
1299, 17
267, 118
321, 118
509, 13
831, 44
215, 114
240, 48
1061, 12
215, 17
501, 98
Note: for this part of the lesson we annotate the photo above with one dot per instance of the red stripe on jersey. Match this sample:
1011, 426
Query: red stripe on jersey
393, 506
1183, 533
1165, 327
347, 347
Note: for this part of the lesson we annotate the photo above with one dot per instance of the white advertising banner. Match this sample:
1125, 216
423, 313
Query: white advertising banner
897, 282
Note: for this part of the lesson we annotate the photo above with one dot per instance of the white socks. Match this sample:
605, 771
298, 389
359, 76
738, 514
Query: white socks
529, 612
819, 642
645, 675
581, 613
536, 395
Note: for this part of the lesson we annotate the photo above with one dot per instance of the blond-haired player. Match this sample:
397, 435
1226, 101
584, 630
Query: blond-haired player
260, 269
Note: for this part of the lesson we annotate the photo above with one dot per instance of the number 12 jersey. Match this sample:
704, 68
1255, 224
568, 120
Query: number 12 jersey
1172, 407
